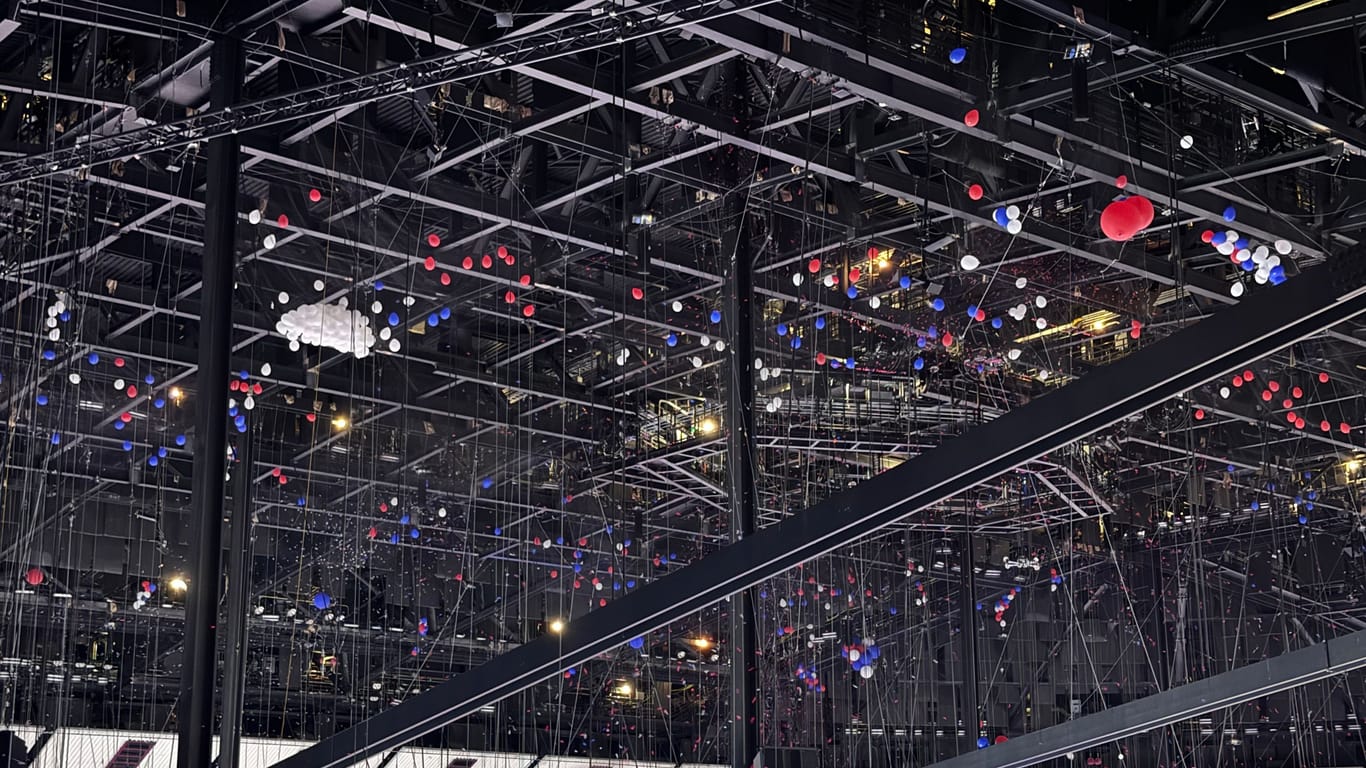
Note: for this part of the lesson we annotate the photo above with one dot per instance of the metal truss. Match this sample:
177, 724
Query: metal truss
1335, 657
1264, 323
518, 50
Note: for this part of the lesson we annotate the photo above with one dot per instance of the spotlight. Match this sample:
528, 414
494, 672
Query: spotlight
701, 643
177, 394
178, 584
340, 422
556, 626
709, 425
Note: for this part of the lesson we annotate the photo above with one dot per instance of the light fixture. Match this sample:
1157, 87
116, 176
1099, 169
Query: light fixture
701, 643
178, 584
624, 689
709, 425
177, 394
1353, 465
1295, 9
556, 626
340, 422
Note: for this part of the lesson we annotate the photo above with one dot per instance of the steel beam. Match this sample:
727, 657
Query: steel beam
1289, 670
199, 678
1269, 320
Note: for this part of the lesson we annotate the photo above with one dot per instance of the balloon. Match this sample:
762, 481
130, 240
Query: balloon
971, 118
975, 192
958, 55
34, 576
1123, 219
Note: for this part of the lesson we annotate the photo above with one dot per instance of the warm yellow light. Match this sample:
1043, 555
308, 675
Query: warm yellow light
1098, 325
709, 425
624, 689
177, 394
1353, 465
701, 643
1295, 9
178, 584
882, 262
340, 422
556, 626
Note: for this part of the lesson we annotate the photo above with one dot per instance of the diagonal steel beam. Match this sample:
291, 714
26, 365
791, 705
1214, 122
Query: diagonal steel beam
1268, 321
1289, 670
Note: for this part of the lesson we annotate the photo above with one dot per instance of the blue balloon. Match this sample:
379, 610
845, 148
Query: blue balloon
118, 425
162, 452
820, 323
1219, 238
958, 55
919, 363
937, 304
671, 339
1304, 519
65, 316
1241, 243
487, 483
160, 402
716, 315
920, 341
972, 311
93, 358
637, 643
393, 319
995, 322
982, 742
379, 285
152, 461
852, 292
905, 281
404, 520
849, 362
498, 531
1277, 274
432, 319
127, 446
49, 355
1230, 213
244, 374
782, 329
150, 379
415, 533
322, 601
42, 399
57, 438
999, 215
796, 342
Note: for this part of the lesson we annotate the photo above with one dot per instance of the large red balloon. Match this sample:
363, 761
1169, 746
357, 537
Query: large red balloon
1123, 219
34, 576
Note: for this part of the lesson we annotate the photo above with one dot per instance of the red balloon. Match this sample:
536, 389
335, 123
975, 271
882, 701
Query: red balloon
1122, 181
1120, 221
487, 261
315, 195
468, 263
529, 310
429, 263
282, 220
855, 274
637, 293
34, 576
433, 239
971, 118
1144, 206
813, 266
975, 192
445, 278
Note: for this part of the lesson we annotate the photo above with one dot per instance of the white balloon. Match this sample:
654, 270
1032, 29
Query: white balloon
268, 241
254, 216
282, 297
797, 278
318, 285
875, 302
677, 306
969, 262
1226, 248
1040, 302
1014, 227
249, 402
1013, 354
385, 333
720, 346
1224, 392
696, 361
1283, 247
1040, 323
758, 363
705, 341
1236, 289
377, 307
854, 654
1021, 282
408, 301
1261, 277
394, 346
293, 345
866, 672
265, 369
54, 334
74, 378
1187, 141
1013, 212
118, 384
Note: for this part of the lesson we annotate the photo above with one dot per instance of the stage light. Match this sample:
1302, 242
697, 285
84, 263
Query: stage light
556, 626
701, 643
178, 584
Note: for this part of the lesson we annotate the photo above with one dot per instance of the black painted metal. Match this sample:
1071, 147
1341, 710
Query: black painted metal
237, 604
740, 458
1263, 323
968, 613
198, 681
1335, 657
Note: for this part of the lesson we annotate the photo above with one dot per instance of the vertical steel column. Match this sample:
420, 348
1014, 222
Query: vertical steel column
198, 681
967, 605
736, 253
238, 598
